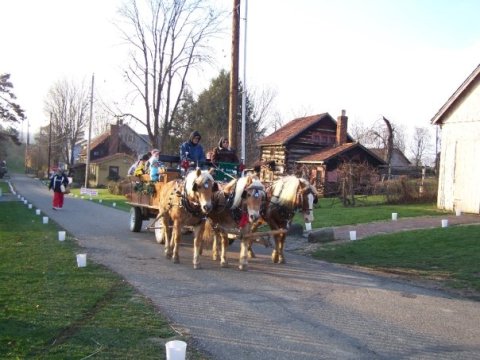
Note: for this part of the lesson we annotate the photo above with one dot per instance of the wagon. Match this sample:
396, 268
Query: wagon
143, 197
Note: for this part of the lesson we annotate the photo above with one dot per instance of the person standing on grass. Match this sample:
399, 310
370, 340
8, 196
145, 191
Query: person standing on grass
56, 181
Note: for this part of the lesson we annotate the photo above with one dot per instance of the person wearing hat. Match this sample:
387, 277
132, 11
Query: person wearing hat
191, 150
58, 182
224, 153
140, 168
155, 165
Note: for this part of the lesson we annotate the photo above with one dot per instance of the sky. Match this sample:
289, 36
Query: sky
401, 59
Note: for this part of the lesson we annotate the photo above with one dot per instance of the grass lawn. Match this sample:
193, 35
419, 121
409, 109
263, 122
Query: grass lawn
328, 213
50, 308
451, 255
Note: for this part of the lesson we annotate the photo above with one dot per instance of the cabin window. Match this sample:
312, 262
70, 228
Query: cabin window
113, 173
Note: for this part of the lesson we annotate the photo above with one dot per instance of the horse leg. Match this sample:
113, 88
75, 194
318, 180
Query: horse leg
281, 245
224, 248
176, 237
245, 245
197, 245
167, 236
215, 255
276, 250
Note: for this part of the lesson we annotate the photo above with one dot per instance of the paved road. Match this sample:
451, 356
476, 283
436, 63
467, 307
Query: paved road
304, 309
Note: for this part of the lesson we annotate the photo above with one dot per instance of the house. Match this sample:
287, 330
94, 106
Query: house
109, 168
399, 164
314, 147
459, 120
119, 139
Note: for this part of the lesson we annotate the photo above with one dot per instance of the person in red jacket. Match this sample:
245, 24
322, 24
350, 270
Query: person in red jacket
58, 180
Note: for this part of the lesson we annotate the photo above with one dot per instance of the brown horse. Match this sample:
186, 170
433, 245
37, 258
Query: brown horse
235, 209
285, 197
185, 203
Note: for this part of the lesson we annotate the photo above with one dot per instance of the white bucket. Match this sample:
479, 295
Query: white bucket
82, 260
37, 211
176, 350
458, 212
61, 235
45, 219
25, 202
18, 196
114, 204
394, 216
444, 223
353, 235
100, 201
29, 206
308, 226
0, 192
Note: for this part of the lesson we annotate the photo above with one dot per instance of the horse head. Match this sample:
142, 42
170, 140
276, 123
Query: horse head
199, 189
254, 196
307, 196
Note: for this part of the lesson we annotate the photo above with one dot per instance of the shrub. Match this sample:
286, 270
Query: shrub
404, 190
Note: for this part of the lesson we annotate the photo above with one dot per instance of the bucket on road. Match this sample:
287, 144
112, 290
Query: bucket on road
308, 226
37, 211
176, 350
444, 223
458, 212
62, 235
394, 216
45, 219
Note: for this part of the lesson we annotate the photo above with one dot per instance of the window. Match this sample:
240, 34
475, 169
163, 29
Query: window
113, 173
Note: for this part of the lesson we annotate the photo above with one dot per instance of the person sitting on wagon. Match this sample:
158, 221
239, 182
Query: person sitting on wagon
191, 150
140, 169
156, 166
224, 153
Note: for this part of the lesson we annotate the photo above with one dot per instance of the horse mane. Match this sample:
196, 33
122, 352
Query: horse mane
306, 184
285, 189
193, 176
244, 183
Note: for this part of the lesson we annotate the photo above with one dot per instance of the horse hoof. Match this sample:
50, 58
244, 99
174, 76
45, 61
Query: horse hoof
197, 266
275, 258
224, 265
251, 255
281, 260
243, 267
175, 260
168, 256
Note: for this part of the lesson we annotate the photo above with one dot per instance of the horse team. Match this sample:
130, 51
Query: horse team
218, 211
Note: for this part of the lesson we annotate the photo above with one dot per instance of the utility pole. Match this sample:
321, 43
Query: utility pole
87, 165
232, 115
49, 145
244, 89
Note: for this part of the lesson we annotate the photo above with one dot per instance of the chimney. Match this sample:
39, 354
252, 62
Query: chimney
342, 123
114, 141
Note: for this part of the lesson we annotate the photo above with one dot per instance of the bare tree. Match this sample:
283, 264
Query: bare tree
420, 145
68, 105
382, 134
168, 39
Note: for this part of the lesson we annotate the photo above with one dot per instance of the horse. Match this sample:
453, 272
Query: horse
285, 197
235, 208
185, 202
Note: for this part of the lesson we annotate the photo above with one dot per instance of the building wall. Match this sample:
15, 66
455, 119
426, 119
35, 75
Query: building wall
101, 170
459, 171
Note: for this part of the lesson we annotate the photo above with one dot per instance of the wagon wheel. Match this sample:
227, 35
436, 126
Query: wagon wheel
135, 219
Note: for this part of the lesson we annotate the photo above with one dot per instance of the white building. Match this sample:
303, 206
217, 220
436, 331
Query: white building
459, 119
